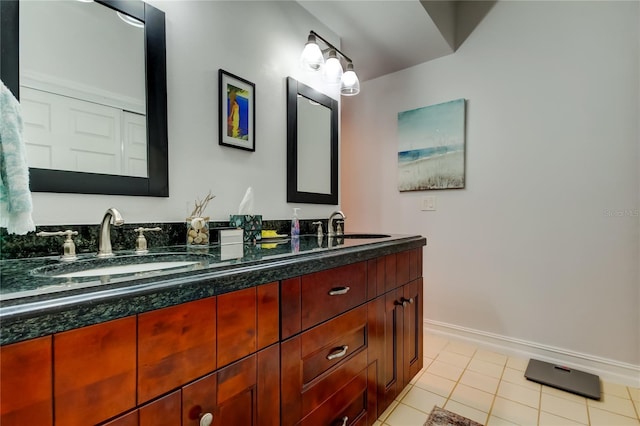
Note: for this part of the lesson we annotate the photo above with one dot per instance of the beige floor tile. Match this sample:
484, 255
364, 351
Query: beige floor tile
614, 404
427, 361
517, 363
564, 394
431, 352
445, 370
403, 392
489, 356
521, 394
472, 397
514, 412
434, 344
497, 421
517, 377
472, 381
600, 417
388, 411
454, 359
422, 400
461, 348
615, 389
377, 423
403, 415
564, 408
480, 381
436, 384
548, 419
485, 367
468, 412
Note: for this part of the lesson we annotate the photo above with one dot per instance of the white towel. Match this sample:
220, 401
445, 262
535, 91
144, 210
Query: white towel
15, 198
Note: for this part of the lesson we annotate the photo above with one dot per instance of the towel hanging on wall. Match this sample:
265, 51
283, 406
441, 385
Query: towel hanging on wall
15, 198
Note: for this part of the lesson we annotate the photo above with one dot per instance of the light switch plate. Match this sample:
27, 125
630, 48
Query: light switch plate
428, 203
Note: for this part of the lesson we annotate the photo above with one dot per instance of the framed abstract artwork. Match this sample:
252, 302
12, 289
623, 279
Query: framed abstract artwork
237, 110
431, 147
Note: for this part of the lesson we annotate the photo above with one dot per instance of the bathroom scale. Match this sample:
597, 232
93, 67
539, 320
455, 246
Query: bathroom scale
565, 378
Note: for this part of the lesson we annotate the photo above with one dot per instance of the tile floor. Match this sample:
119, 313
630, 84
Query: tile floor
490, 388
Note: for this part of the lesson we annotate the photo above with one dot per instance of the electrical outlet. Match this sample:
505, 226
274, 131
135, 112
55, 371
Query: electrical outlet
428, 203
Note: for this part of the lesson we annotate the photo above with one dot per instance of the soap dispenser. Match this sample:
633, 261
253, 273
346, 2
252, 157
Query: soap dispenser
295, 223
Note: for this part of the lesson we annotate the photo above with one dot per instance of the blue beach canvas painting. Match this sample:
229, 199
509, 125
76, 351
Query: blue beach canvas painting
431, 144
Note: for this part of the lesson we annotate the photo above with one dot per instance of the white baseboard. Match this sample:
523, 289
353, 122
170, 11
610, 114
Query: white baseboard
607, 369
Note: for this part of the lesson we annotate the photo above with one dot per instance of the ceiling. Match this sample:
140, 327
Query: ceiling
385, 36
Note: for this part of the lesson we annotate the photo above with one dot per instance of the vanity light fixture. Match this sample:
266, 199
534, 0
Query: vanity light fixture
312, 59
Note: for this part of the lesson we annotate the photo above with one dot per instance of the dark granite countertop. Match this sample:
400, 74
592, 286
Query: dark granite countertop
34, 303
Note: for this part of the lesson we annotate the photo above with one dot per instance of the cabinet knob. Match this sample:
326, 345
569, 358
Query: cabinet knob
401, 302
410, 300
206, 419
339, 290
342, 351
344, 421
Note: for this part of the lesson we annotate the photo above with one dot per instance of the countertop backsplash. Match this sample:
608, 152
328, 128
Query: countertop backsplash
122, 237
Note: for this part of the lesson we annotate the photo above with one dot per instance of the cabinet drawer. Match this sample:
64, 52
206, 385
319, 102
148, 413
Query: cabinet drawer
333, 342
345, 407
329, 293
25, 389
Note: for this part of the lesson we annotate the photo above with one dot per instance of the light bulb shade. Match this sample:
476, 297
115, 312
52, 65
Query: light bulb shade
350, 84
332, 69
311, 58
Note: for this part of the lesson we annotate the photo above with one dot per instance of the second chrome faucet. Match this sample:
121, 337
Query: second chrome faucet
104, 239
331, 231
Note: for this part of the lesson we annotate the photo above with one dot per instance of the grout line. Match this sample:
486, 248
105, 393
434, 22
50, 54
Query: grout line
539, 404
495, 394
633, 403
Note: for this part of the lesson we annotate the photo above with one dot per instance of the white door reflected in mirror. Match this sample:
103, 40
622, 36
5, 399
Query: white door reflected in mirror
82, 90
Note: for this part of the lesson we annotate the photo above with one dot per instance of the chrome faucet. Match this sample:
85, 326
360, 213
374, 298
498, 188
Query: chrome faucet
104, 240
331, 231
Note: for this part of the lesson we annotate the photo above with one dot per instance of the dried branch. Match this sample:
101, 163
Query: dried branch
200, 206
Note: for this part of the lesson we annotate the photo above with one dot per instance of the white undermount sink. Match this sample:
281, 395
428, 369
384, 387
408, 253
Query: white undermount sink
125, 265
124, 269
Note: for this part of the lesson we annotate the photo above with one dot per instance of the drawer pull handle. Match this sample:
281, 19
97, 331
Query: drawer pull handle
344, 420
342, 351
338, 291
410, 300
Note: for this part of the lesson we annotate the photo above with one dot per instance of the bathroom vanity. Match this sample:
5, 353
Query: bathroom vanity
286, 334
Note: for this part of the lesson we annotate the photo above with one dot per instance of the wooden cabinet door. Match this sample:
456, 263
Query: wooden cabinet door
163, 411
25, 389
175, 346
390, 352
247, 321
243, 393
94, 374
412, 330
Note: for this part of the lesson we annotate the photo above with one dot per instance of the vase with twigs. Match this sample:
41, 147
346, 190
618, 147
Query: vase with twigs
198, 223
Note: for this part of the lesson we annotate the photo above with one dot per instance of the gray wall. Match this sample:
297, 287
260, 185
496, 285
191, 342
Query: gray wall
542, 247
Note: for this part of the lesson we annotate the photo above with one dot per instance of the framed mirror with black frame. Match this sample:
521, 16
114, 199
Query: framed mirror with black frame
151, 175
312, 145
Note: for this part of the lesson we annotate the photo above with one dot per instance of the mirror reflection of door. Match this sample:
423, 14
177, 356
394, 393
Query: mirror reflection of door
82, 88
314, 147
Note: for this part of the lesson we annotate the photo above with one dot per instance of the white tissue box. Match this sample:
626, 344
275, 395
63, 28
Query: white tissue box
231, 236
